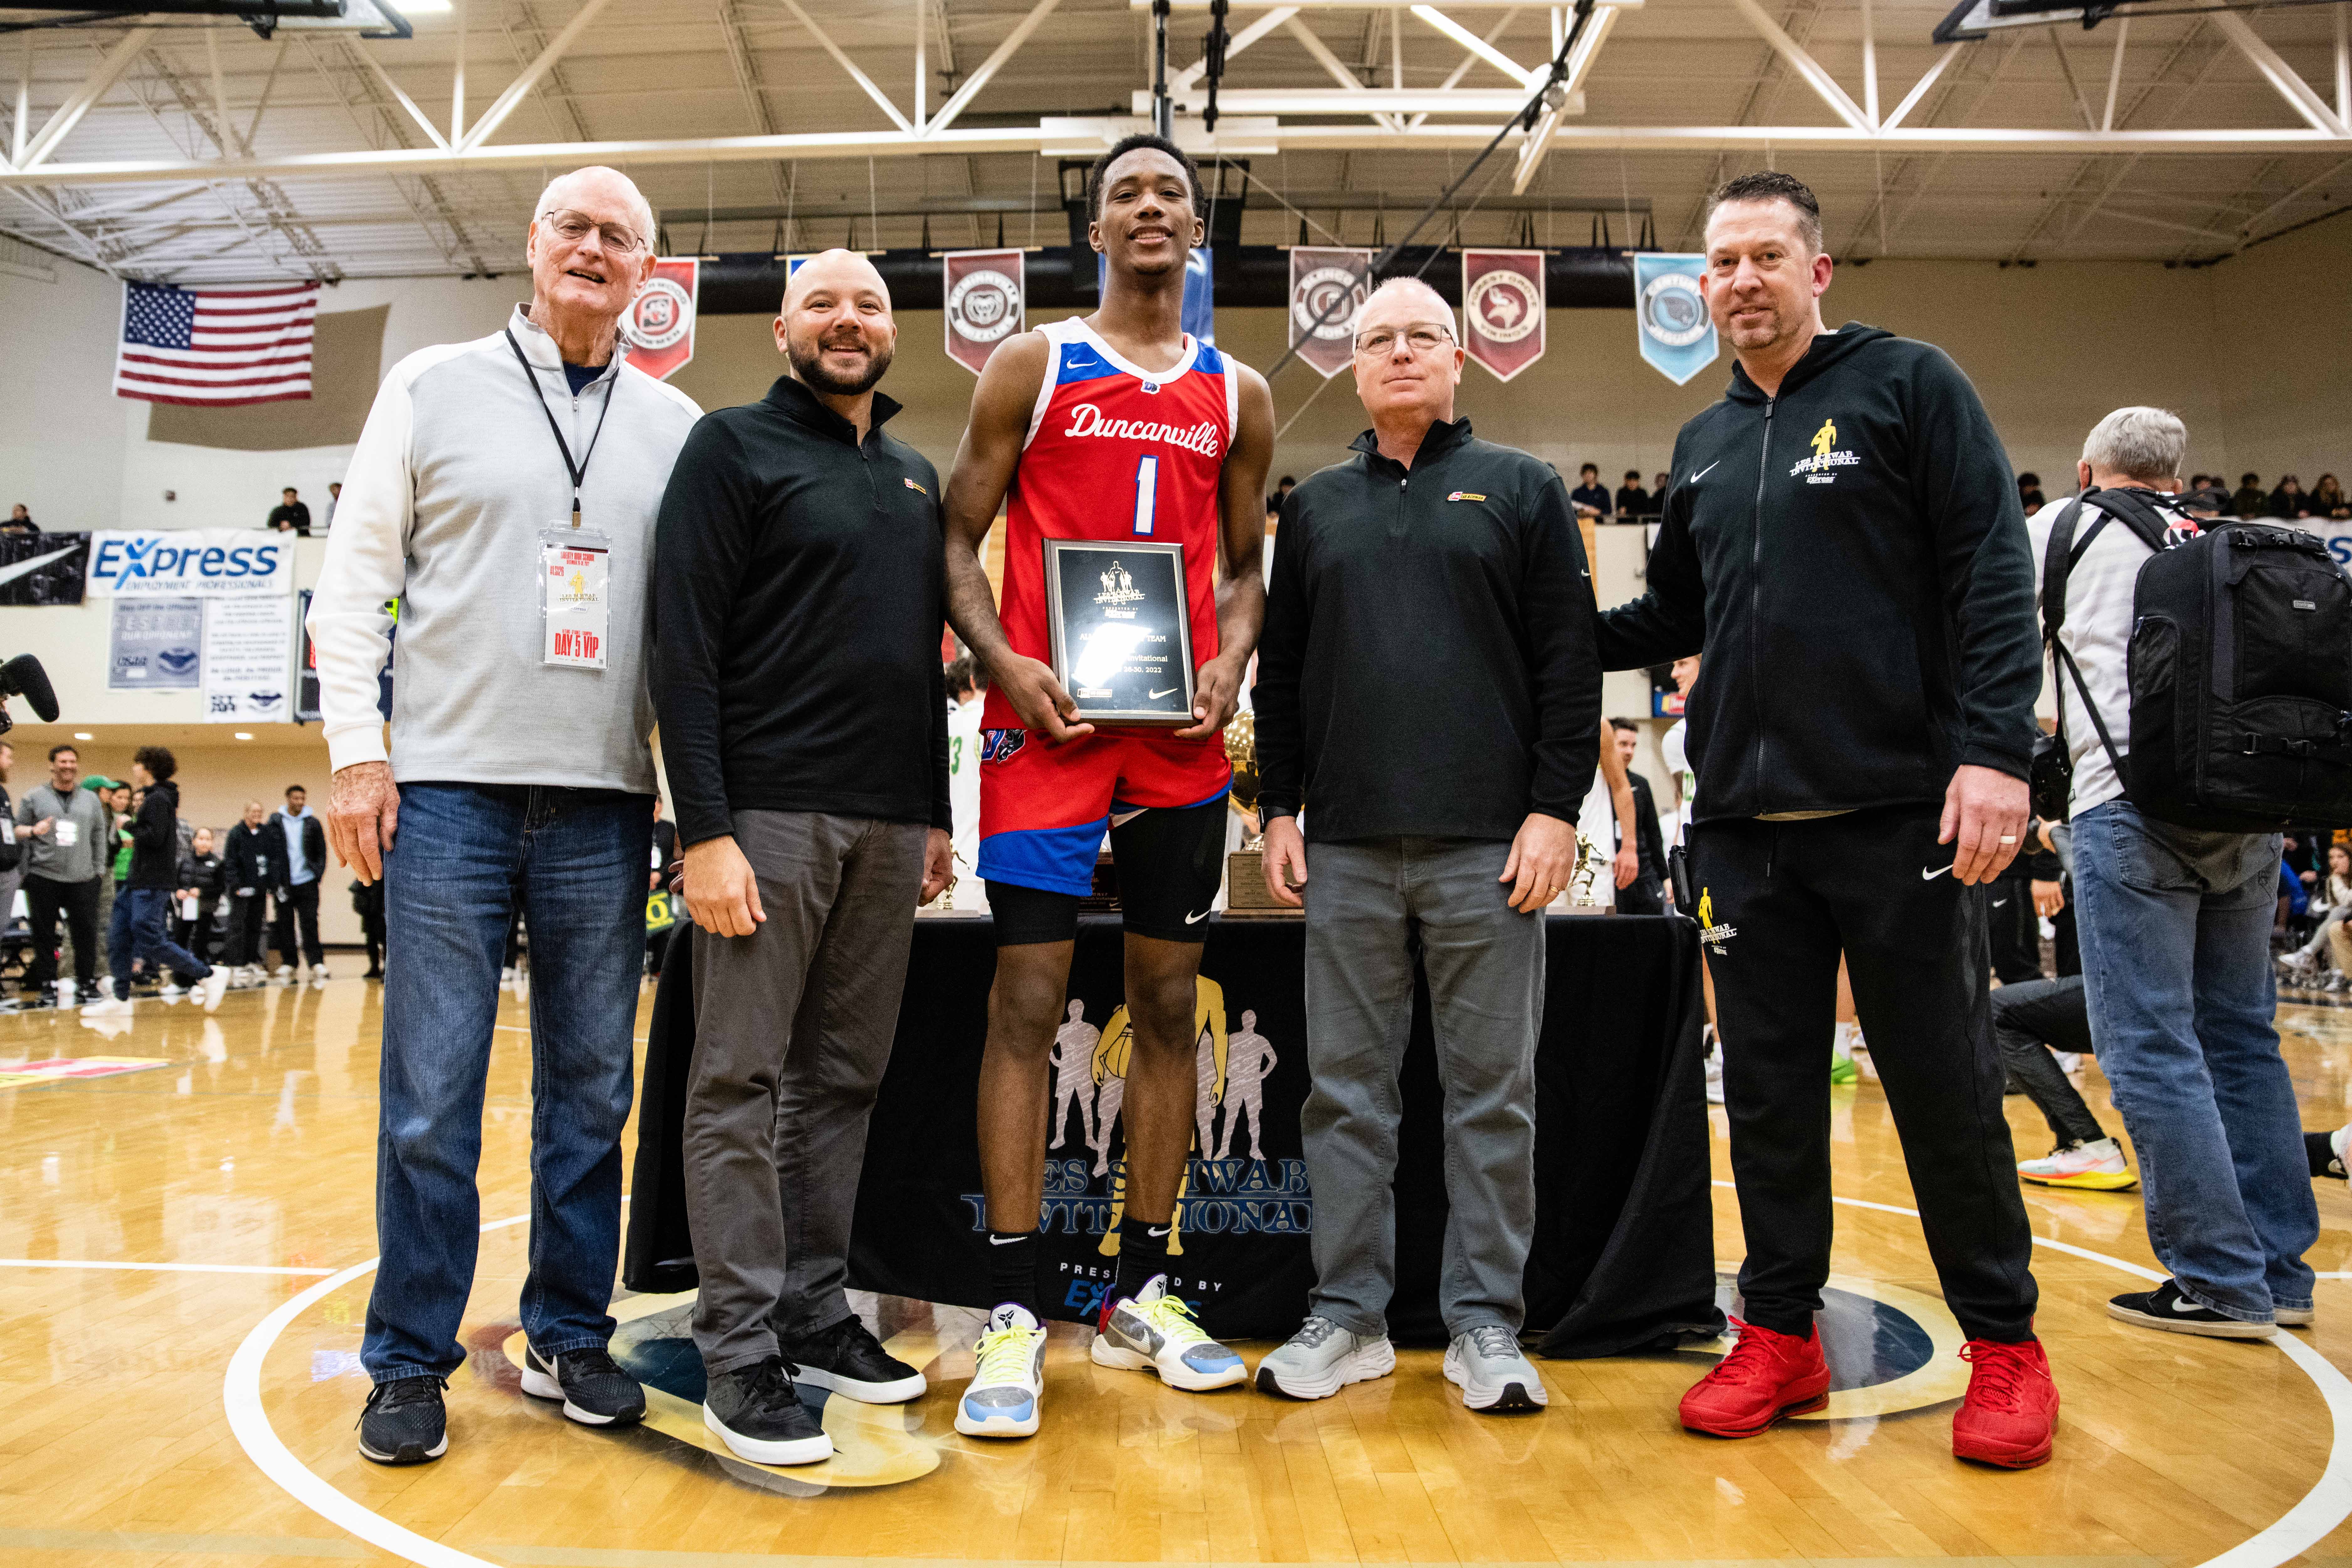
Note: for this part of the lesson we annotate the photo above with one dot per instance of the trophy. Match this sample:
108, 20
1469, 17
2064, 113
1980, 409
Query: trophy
1121, 627
1245, 893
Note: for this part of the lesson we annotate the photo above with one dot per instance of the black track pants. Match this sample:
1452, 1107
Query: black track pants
1782, 901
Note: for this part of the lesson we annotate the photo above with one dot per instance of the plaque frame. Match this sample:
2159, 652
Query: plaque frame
1053, 549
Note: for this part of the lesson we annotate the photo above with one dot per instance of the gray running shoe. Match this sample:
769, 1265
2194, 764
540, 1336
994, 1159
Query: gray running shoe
1321, 1359
1493, 1375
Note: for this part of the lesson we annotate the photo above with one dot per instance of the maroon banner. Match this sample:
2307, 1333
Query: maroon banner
1326, 289
660, 322
985, 303
1503, 309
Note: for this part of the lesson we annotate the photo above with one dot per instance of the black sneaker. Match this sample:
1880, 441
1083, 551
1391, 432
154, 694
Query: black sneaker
2166, 1308
404, 1422
594, 1390
758, 1414
2321, 1149
851, 1361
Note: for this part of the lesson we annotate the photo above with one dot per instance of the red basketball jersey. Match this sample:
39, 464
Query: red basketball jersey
1115, 452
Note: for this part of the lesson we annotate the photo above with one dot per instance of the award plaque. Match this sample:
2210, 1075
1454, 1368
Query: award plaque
1121, 629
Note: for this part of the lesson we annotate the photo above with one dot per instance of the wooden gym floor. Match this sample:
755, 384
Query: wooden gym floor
184, 1255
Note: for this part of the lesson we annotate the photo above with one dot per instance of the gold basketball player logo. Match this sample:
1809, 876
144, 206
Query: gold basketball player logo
1712, 934
1210, 1043
1827, 456
1824, 439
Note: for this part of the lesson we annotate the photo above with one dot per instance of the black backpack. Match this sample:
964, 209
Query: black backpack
2239, 669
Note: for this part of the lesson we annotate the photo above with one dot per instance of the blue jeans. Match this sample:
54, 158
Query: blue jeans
466, 857
2175, 926
136, 930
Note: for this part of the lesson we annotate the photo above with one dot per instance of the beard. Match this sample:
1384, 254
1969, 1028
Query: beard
809, 365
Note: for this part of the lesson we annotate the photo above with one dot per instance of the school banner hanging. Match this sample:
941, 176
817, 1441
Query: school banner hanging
986, 302
1670, 315
1327, 289
1503, 309
661, 321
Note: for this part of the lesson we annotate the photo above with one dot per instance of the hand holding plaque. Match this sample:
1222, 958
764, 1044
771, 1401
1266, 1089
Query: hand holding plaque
1120, 626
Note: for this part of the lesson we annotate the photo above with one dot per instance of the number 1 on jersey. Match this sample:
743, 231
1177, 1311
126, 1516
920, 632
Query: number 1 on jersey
1147, 493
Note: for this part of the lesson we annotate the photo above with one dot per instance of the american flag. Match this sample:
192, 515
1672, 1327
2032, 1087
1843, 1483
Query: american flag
215, 347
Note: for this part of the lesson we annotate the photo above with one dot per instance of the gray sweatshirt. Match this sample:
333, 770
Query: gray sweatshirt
90, 852
454, 476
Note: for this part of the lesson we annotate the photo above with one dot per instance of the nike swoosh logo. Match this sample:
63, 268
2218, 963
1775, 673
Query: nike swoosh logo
1931, 875
1196, 919
1156, 1231
2001, 903
1702, 472
10, 574
1170, 692
1001, 1241
2184, 1306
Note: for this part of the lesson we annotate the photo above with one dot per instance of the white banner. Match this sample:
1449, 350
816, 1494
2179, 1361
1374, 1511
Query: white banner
193, 563
249, 651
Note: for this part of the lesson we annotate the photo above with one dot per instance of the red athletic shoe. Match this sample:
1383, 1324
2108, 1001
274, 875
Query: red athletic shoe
1765, 1376
2011, 1408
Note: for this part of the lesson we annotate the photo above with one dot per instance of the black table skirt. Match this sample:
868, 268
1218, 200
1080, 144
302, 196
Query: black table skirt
1623, 1253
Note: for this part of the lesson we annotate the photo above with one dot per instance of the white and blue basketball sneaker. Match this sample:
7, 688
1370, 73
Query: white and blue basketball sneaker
1008, 1385
1155, 1332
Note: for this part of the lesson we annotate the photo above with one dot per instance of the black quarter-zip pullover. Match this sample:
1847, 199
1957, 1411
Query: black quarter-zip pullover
797, 582
1850, 558
1427, 667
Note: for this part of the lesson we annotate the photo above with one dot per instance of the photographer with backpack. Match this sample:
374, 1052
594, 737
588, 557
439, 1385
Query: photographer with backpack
2202, 680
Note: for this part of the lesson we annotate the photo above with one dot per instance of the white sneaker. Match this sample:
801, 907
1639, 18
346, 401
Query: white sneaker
1008, 1386
105, 1007
1321, 1359
1714, 1078
318, 975
283, 969
1493, 1376
215, 986
2098, 1166
1154, 1331
65, 989
2069, 1062
171, 991
505, 976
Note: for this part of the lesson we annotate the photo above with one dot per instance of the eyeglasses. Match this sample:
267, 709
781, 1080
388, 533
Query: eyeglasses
574, 227
1423, 339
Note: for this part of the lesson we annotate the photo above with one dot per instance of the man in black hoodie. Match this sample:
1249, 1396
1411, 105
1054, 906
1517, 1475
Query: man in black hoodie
1842, 536
138, 929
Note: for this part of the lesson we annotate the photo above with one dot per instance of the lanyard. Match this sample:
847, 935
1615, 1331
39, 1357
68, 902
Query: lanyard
579, 471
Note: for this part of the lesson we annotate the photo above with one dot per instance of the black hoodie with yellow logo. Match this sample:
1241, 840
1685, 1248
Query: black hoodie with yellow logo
1851, 558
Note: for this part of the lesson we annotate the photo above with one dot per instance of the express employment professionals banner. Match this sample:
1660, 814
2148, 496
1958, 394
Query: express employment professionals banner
986, 302
199, 563
1670, 315
43, 568
1503, 309
1327, 289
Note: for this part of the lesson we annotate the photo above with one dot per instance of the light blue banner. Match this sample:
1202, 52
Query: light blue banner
1670, 315
1200, 291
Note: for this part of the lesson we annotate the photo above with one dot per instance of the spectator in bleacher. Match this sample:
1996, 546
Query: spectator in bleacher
334, 498
2250, 498
2327, 499
290, 515
1633, 501
1590, 498
2029, 490
202, 870
256, 858
2288, 501
20, 521
2331, 901
1658, 491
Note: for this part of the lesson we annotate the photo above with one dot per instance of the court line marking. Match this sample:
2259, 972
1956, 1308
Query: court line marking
2329, 1500
155, 1268
2321, 1510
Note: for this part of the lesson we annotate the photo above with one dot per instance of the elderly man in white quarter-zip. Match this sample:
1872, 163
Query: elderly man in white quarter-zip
504, 493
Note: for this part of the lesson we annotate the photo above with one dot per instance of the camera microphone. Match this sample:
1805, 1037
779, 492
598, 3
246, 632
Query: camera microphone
24, 676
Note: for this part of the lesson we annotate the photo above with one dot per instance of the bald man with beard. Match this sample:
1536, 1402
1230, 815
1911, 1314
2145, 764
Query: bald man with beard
503, 491
796, 671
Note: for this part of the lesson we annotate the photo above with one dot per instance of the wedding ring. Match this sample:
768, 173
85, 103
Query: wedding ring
2008, 839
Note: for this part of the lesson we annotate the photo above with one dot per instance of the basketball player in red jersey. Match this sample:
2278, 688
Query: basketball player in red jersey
1117, 425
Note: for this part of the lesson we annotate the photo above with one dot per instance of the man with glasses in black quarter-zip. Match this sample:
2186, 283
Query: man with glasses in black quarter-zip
1842, 537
